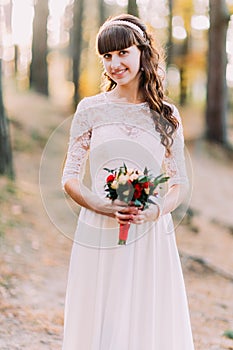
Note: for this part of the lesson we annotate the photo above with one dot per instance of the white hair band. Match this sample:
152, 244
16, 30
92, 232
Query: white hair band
126, 23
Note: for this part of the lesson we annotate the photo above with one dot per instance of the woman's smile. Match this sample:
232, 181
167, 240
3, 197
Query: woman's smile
119, 72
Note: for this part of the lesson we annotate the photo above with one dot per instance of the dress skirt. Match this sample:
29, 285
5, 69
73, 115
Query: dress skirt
128, 297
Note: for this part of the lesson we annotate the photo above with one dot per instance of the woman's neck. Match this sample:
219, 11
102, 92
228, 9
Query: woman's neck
126, 95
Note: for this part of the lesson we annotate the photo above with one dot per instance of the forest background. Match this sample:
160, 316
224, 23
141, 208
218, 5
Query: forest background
47, 64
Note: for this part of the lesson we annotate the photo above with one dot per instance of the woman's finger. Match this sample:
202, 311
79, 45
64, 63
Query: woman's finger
122, 216
120, 203
128, 210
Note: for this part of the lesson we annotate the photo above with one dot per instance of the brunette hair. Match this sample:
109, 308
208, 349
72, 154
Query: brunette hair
118, 36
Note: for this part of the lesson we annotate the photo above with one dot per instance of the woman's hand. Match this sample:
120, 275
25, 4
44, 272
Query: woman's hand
126, 214
148, 215
118, 209
136, 215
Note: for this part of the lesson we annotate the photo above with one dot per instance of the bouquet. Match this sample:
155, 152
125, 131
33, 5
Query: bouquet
133, 187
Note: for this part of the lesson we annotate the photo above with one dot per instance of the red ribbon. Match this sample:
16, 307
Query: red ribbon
123, 233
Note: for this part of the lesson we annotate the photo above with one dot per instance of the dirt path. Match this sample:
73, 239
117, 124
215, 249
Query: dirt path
35, 251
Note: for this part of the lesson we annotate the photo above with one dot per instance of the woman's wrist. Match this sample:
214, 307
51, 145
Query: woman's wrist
158, 202
159, 212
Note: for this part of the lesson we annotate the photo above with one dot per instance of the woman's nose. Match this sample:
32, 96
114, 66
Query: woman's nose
115, 61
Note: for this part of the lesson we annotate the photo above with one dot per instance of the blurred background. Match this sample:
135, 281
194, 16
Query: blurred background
48, 63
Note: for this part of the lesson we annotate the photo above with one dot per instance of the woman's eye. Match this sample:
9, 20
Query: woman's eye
107, 56
123, 52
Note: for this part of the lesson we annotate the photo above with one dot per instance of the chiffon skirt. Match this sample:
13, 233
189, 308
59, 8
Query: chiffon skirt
128, 297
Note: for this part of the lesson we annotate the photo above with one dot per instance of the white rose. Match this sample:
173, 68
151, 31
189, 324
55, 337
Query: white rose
133, 177
123, 179
114, 185
126, 193
147, 190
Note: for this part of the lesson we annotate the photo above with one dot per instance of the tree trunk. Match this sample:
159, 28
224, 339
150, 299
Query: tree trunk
183, 85
132, 8
169, 40
101, 12
6, 164
39, 68
76, 46
216, 86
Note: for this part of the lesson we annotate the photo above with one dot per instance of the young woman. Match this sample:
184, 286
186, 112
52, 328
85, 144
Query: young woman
129, 297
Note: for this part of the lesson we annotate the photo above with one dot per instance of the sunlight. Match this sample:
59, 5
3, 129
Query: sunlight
229, 75
173, 76
179, 32
200, 22
4, 2
230, 38
122, 3
56, 10
178, 29
22, 17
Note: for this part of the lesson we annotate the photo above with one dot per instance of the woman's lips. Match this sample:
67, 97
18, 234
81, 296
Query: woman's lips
119, 72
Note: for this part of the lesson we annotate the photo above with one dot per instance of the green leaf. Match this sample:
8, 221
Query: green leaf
160, 179
142, 179
228, 333
137, 203
110, 170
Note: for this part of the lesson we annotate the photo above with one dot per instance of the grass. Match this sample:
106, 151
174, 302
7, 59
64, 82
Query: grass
228, 333
8, 194
8, 189
27, 139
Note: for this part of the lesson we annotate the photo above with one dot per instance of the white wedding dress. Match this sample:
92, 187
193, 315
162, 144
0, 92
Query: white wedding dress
128, 297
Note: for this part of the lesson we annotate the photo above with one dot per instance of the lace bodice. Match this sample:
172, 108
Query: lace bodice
111, 133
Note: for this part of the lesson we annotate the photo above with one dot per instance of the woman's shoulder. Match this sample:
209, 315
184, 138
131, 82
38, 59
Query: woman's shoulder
90, 102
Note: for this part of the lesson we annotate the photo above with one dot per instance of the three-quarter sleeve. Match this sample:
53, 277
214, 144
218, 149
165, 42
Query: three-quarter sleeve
174, 163
79, 144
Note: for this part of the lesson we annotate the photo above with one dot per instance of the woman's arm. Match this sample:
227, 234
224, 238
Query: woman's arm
87, 199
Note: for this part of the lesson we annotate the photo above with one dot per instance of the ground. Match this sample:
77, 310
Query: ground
36, 241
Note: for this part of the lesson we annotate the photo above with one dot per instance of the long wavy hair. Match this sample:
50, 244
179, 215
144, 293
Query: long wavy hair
117, 37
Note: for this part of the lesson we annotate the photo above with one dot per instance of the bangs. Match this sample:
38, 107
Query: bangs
115, 38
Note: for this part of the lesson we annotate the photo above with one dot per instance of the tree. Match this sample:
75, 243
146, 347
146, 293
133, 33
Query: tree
6, 163
101, 12
39, 69
76, 46
181, 47
216, 85
132, 7
169, 39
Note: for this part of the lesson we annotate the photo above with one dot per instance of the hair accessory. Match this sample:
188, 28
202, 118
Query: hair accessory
126, 23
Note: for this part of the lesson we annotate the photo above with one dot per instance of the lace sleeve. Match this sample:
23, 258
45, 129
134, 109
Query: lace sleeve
174, 164
79, 142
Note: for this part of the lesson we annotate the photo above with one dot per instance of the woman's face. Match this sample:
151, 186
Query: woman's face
123, 66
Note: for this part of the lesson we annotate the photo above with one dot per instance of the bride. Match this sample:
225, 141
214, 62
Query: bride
126, 297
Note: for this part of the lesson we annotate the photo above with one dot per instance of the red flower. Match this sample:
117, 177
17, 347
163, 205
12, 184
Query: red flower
137, 191
145, 184
110, 178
